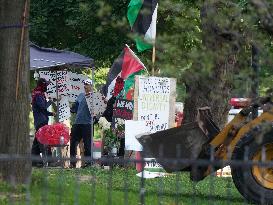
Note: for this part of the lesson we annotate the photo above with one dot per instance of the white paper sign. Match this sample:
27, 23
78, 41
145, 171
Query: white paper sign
132, 129
63, 82
98, 106
64, 110
76, 85
153, 102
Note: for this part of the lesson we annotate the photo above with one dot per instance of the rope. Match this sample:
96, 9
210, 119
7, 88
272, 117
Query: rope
13, 26
20, 49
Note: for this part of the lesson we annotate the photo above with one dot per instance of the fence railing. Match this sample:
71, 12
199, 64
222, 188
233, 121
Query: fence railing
114, 180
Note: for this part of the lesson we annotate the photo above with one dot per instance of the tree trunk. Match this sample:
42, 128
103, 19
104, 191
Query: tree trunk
14, 109
208, 82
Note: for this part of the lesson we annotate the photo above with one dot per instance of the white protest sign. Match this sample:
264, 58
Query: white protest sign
76, 85
64, 110
153, 102
63, 82
96, 103
132, 129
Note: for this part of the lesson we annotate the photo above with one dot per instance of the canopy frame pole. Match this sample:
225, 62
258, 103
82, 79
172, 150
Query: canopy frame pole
57, 96
92, 111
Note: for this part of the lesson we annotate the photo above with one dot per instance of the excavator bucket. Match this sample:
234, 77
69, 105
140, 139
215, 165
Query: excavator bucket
184, 142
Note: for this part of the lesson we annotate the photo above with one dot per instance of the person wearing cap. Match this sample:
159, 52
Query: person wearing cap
81, 129
40, 115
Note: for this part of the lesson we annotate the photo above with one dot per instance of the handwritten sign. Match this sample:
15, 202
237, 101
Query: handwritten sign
64, 110
76, 85
154, 85
96, 103
154, 102
123, 109
154, 105
63, 82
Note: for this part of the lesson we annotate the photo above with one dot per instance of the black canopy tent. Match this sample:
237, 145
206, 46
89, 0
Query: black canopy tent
53, 59
48, 58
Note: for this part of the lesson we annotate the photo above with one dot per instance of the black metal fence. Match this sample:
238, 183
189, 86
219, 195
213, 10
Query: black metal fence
113, 180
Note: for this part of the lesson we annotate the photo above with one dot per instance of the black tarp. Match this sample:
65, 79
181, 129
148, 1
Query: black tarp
45, 58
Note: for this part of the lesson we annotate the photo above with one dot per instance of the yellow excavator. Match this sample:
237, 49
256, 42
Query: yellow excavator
246, 144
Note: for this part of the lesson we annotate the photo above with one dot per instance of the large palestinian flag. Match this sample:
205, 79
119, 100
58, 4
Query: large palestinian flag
126, 65
142, 15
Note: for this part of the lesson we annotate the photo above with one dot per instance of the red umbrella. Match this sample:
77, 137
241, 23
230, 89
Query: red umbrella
56, 134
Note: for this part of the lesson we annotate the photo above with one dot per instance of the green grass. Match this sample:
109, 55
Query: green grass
83, 186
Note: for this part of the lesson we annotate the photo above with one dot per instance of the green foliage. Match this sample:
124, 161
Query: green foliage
97, 132
180, 44
100, 75
80, 26
178, 40
99, 29
110, 140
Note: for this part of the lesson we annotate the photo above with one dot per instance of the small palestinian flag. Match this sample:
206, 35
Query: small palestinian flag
142, 15
129, 84
124, 66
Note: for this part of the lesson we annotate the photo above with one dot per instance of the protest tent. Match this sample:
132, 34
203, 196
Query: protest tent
56, 60
49, 58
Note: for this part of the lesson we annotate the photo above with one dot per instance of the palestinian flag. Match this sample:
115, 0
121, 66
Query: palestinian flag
129, 84
142, 15
124, 66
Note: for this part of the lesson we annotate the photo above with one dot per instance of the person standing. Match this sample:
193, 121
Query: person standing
40, 115
81, 129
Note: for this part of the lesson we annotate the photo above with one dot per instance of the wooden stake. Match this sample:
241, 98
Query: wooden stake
20, 49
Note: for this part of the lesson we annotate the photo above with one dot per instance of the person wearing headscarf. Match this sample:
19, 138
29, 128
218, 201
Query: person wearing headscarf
41, 116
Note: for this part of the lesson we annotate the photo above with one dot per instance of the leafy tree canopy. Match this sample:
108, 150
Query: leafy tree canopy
99, 29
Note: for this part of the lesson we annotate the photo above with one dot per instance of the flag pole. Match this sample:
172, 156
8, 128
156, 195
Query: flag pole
153, 61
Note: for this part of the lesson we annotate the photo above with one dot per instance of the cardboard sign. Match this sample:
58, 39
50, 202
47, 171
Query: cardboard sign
154, 99
154, 102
